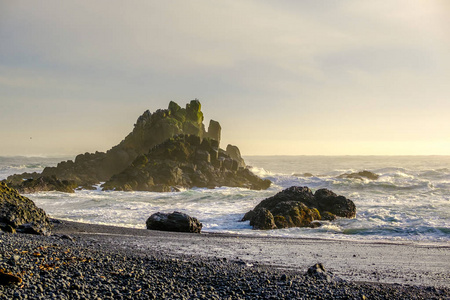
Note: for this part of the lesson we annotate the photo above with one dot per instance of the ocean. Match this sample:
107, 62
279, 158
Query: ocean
409, 202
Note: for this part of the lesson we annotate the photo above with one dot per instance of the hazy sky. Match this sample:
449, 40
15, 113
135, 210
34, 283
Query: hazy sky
282, 77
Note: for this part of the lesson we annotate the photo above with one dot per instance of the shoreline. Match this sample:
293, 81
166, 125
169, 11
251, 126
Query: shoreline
81, 260
406, 262
109, 228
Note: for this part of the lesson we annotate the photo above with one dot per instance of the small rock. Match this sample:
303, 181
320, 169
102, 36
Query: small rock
7, 279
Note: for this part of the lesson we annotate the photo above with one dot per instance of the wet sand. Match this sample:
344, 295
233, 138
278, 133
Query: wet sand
86, 261
411, 263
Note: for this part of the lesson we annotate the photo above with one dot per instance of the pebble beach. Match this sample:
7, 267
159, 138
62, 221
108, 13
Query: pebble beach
84, 261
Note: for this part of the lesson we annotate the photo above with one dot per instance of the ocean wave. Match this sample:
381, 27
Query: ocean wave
409, 201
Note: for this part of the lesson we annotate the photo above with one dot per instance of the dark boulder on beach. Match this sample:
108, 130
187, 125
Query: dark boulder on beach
361, 175
184, 161
299, 207
176, 221
18, 213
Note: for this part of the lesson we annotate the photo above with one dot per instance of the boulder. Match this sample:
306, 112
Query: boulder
303, 175
327, 201
176, 221
319, 273
18, 213
299, 207
360, 175
263, 219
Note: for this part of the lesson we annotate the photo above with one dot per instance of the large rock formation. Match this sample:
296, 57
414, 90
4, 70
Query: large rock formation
184, 161
18, 213
151, 129
299, 207
176, 221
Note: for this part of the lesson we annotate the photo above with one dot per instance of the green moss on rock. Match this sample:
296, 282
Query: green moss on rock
299, 207
183, 161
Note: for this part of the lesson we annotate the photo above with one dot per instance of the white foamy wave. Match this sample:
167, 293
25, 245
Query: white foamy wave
409, 201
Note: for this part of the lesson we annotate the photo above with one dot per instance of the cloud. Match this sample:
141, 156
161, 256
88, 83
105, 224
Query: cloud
278, 64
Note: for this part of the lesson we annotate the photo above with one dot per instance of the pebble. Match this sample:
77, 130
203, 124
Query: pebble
83, 268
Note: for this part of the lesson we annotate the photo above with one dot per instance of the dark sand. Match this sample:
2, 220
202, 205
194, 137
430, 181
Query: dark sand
109, 262
388, 262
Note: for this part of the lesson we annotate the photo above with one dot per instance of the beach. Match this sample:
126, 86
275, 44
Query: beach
397, 246
88, 261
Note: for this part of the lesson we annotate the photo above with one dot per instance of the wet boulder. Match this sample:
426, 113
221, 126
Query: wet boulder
361, 175
18, 213
261, 218
327, 201
299, 207
176, 221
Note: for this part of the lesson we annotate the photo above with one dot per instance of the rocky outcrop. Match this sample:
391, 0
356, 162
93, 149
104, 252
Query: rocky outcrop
214, 131
18, 213
235, 154
176, 221
299, 207
150, 158
360, 175
150, 130
38, 183
184, 161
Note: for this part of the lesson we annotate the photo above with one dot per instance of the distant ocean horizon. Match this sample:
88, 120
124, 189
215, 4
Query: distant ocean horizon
409, 202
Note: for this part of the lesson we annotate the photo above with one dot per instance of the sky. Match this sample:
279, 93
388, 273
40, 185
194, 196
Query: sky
282, 77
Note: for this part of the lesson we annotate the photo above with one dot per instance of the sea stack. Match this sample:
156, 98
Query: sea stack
196, 159
185, 161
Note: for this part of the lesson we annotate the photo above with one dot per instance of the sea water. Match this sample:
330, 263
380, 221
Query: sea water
409, 202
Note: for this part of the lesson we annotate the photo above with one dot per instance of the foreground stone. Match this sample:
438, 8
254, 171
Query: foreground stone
318, 272
176, 221
18, 213
112, 266
8, 278
299, 207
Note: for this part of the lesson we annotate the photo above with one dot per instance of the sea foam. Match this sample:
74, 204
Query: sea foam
409, 202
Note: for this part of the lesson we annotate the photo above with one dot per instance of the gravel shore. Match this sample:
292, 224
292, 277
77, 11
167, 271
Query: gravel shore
82, 261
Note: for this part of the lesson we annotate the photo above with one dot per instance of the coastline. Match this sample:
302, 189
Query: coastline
123, 263
406, 262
